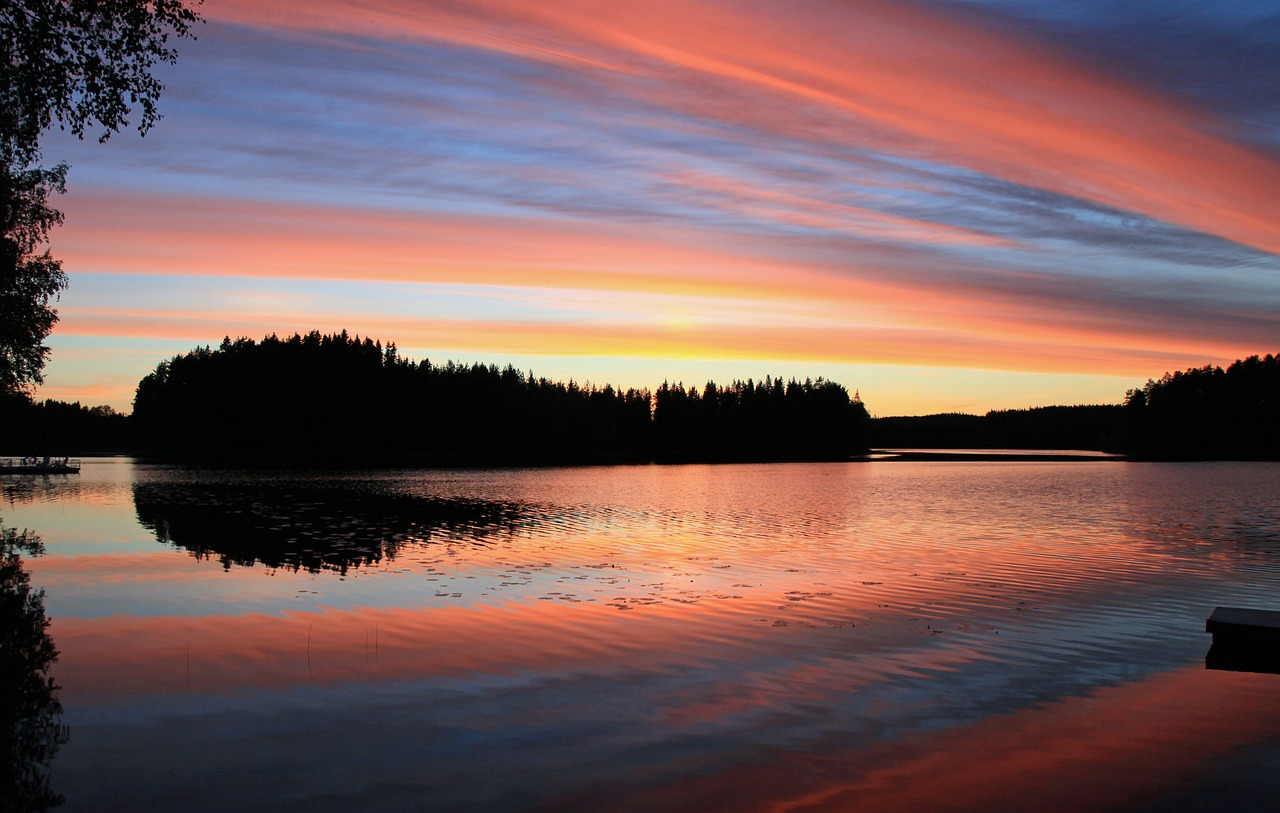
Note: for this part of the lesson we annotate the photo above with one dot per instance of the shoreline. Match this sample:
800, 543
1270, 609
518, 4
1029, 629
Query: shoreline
991, 455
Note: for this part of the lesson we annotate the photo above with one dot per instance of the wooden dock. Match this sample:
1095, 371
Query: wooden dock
1244, 640
1239, 625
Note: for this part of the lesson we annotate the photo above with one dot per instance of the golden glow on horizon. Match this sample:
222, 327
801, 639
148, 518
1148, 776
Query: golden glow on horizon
675, 337
868, 316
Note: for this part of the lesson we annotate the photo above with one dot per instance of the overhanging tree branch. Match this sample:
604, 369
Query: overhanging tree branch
84, 65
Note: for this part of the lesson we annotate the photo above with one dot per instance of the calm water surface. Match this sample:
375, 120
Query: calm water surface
822, 637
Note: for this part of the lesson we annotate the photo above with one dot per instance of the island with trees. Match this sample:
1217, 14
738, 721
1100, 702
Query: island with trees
337, 397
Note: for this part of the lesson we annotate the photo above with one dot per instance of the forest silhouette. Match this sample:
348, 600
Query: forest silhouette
333, 397
61, 429
322, 398
1207, 413
1203, 413
1091, 427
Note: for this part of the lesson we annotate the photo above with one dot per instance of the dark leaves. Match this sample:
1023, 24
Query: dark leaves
85, 65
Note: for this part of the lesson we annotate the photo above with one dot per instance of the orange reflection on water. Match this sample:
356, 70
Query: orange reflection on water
57, 572
128, 655
1109, 749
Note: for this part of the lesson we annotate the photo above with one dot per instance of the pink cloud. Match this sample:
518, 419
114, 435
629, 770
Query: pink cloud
922, 82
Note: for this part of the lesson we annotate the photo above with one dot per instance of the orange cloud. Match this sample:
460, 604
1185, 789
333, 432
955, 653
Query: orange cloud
709, 296
182, 236
934, 85
458, 337
87, 394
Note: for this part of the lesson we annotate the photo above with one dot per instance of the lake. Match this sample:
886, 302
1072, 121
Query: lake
879, 636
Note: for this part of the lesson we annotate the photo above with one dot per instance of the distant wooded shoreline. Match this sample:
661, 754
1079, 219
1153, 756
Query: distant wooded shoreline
322, 399
341, 399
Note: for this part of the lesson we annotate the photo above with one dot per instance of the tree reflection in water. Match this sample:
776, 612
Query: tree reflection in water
314, 528
31, 731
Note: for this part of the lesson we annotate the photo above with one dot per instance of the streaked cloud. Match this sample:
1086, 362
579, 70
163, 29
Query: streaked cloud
964, 185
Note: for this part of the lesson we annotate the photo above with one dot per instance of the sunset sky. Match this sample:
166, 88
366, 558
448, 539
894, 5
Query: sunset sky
948, 206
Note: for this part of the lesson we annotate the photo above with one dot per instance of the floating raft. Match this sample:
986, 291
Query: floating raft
33, 465
1244, 640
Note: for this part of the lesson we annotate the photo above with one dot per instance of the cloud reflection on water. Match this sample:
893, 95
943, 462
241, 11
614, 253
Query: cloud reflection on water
752, 638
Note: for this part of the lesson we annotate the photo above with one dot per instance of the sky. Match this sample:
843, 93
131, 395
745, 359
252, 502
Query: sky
945, 206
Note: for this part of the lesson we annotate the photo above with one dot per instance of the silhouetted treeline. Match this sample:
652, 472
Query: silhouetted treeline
1092, 427
771, 420
1205, 413
319, 398
60, 429
327, 397
951, 430
1208, 413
